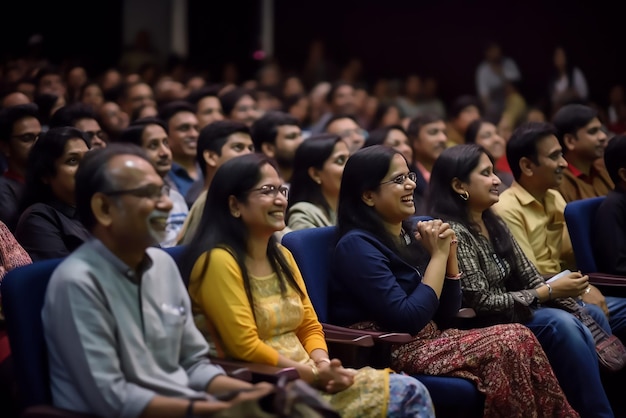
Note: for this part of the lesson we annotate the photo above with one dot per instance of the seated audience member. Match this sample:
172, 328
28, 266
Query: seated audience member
83, 117
48, 226
485, 134
583, 141
119, 331
182, 131
12, 255
392, 136
609, 231
533, 211
396, 284
314, 191
503, 286
218, 142
463, 111
427, 135
208, 105
19, 130
277, 135
347, 127
240, 105
248, 289
151, 135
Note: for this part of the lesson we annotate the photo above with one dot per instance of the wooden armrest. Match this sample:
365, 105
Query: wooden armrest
387, 337
338, 337
49, 411
466, 313
256, 372
604, 279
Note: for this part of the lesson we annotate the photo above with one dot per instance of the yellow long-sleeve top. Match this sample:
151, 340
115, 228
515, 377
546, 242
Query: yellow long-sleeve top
284, 324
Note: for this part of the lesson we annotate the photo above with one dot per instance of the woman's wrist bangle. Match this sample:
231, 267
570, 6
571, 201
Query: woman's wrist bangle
316, 375
189, 413
322, 360
454, 276
549, 291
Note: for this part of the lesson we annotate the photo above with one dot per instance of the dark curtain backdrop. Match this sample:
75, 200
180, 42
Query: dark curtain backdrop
393, 38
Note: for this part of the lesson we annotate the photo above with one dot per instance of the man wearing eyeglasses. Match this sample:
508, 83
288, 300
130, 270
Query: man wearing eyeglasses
19, 129
81, 116
348, 129
117, 318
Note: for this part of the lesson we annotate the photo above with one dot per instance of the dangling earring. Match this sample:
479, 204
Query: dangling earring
464, 195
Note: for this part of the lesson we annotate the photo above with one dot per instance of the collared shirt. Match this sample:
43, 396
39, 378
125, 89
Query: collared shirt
181, 178
50, 230
538, 227
577, 185
118, 337
175, 219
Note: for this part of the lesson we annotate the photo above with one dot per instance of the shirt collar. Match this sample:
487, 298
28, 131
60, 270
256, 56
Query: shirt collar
118, 264
64, 208
576, 172
525, 198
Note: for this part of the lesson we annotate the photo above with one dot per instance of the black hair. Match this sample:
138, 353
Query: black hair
265, 129
41, 163
169, 109
92, 177
443, 202
220, 229
10, 115
570, 118
378, 136
213, 137
615, 157
229, 99
418, 122
523, 143
311, 153
70, 114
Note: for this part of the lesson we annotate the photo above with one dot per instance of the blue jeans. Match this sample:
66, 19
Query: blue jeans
617, 316
571, 350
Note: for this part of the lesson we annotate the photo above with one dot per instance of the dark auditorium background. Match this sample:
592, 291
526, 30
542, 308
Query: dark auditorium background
393, 38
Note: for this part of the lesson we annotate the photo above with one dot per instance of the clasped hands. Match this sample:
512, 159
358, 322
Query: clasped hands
333, 377
436, 235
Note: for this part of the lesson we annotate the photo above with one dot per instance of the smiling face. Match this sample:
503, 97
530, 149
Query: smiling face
488, 138
589, 142
329, 176
548, 171
398, 140
62, 182
183, 134
263, 213
482, 186
154, 141
430, 142
393, 200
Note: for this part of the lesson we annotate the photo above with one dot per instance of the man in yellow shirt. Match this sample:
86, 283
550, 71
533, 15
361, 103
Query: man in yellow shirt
533, 210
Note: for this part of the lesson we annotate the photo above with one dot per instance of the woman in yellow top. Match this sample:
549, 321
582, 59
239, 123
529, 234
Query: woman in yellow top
250, 300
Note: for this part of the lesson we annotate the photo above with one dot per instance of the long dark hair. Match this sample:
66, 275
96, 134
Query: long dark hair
364, 171
311, 153
443, 202
41, 163
219, 229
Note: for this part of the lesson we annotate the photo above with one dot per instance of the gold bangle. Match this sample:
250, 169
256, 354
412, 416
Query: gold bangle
322, 360
316, 375
549, 291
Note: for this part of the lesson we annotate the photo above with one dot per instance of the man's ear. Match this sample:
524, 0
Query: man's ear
268, 149
526, 166
569, 141
101, 209
368, 198
622, 174
458, 186
210, 158
234, 206
314, 174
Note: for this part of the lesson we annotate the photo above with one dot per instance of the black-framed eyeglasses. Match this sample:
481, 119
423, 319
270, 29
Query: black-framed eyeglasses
100, 134
150, 191
271, 190
402, 178
27, 138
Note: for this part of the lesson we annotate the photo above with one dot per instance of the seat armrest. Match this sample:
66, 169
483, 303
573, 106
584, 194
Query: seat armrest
339, 337
608, 280
49, 411
378, 336
256, 372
